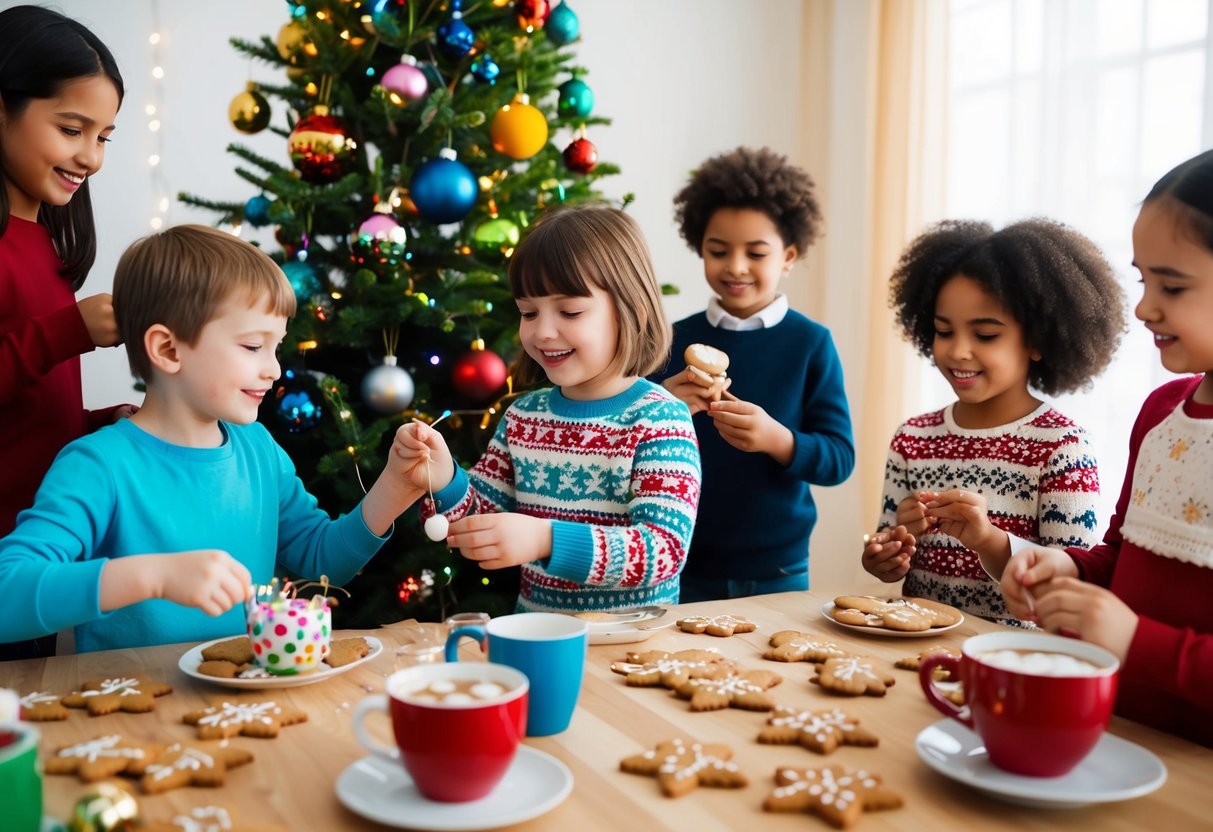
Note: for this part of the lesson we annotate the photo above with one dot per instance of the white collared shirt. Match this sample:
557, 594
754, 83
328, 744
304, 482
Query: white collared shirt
764, 318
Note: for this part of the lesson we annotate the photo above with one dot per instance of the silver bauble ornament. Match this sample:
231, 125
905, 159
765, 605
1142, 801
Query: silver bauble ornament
388, 388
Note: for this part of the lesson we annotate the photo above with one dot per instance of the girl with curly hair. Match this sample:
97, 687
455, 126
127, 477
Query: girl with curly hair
1033, 307
782, 425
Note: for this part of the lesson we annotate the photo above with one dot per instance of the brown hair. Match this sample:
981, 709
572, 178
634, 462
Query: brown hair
179, 277
572, 249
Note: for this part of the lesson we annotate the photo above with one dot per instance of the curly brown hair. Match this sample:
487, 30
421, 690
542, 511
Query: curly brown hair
1053, 280
750, 178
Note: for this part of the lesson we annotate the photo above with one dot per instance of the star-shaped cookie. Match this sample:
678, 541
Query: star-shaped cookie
837, 795
820, 731
102, 757
192, 765
252, 719
682, 765
747, 691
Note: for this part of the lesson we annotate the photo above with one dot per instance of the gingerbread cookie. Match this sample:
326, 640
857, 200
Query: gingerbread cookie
913, 662
794, 646
252, 719
190, 765
820, 731
132, 694
905, 614
837, 795
682, 765
202, 819
102, 757
41, 707
853, 676
747, 691
238, 650
343, 651
707, 366
655, 668
720, 625
221, 668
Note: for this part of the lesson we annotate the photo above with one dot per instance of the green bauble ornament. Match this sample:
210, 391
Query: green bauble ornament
495, 238
576, 99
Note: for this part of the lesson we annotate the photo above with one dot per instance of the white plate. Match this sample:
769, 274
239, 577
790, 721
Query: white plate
1115, 769
190, 659
382, 791
885, 631
624, 633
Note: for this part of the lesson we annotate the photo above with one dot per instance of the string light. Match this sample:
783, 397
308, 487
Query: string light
162, 203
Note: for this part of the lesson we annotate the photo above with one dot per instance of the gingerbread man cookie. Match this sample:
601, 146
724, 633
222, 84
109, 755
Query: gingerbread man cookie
853, 676
820, 731
191, 765
132, 694
682, 765
102, 757
720, 626
252, 719
795, 646
40, 706
837, 795
747, 691
655, 668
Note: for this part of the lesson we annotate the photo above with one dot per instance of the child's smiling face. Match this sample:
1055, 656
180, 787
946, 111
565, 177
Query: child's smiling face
743, 259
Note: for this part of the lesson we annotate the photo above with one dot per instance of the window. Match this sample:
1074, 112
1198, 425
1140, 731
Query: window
1072, 109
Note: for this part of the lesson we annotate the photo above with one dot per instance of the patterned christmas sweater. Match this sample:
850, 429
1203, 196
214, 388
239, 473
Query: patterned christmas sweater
619, 478
1037, 475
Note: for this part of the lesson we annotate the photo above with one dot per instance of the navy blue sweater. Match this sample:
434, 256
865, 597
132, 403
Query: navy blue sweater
755, 515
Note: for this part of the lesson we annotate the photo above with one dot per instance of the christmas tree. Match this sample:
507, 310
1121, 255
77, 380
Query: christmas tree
421, 143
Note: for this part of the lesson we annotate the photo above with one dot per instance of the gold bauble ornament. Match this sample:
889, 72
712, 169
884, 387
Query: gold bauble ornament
249, 111
104, 808
291, 41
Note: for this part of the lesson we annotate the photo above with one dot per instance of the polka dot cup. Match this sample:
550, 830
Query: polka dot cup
290, 636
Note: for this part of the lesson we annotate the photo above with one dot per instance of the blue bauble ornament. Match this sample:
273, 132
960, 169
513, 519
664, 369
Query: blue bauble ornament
455, 37
303, 279
387, 18
485, 70
297, 402
443, 189
562, 26
576, 99
257, 211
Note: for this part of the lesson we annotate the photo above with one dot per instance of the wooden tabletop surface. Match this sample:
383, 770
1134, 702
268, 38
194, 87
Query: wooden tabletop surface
290, 783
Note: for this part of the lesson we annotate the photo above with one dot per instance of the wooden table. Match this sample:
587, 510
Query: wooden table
290, 783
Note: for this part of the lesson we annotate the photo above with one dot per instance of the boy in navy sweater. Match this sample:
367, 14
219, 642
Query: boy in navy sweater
783, 423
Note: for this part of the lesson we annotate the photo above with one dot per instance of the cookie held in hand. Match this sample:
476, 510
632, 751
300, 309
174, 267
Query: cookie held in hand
707, 367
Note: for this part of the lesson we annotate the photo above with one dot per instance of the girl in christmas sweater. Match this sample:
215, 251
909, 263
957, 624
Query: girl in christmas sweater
1144, 592
590, 485
985, 306
59, 94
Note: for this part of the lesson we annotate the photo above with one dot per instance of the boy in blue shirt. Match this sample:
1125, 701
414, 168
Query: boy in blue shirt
783, 423
152, 530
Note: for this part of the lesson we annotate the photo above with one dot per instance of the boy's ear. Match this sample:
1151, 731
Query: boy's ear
161, 347
789, 258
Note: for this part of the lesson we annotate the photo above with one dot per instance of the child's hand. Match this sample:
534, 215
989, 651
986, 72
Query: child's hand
912, 513
964, 515
98, 314
209, 579
887, 554
425, 460
694, 395
1028, 573
1073, 607
501, 540
747, 427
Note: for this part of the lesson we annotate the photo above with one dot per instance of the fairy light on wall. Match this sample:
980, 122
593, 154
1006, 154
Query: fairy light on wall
161, 199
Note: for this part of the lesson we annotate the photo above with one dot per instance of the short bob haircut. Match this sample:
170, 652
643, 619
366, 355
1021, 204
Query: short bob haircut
572, 249
41, 51
1051, 279
181, 276
1187, 190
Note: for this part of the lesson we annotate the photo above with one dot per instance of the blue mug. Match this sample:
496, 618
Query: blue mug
549, 648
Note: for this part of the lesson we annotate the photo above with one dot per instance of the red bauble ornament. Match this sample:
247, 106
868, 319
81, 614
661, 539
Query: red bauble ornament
532, 14
478, 375
581, 156
321, 147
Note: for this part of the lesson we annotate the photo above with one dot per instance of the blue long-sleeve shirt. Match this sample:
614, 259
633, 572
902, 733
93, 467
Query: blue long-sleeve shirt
121, 491
755, 515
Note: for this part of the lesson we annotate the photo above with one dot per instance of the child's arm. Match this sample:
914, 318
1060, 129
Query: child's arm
404, 478
886, 554
38, 345
487, 489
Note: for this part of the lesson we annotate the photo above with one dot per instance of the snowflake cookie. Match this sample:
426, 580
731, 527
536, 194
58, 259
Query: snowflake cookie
795, 646
655, 668
102, 757
682, 765
720, 625
200, 819
191, 765
853, 676
40, 706
252, 719
132, 694
747, 691
837, 795
820, 731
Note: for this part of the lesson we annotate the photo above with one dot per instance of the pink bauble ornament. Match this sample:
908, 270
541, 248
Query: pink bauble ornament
405, 82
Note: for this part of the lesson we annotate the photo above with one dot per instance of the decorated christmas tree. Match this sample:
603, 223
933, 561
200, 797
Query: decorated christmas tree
420, 140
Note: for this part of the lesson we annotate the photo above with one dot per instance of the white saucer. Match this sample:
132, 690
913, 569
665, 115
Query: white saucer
1115, 770
828, 612
382, 791
190, 659
625, 633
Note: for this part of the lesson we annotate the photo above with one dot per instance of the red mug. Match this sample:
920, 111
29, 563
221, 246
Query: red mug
1039, 702
455, 749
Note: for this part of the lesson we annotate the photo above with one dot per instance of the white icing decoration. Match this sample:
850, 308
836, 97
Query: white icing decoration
102, 747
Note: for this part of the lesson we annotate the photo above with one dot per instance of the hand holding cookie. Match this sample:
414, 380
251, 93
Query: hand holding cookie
887, 553
706, 367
